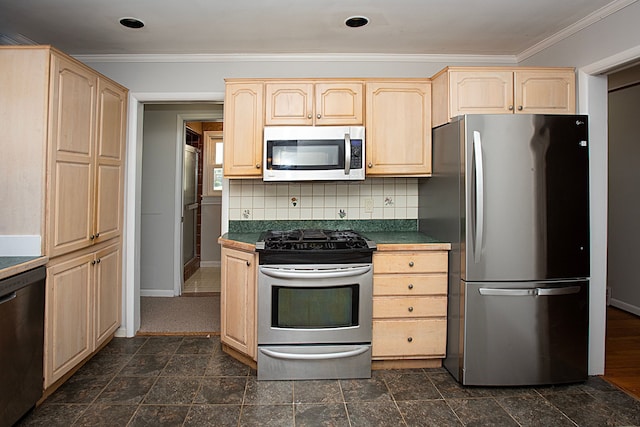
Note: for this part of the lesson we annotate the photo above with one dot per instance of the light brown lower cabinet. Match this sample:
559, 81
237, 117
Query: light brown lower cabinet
238, 301
82, 307
409, 304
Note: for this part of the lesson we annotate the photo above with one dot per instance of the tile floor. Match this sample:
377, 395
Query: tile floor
189, 381
204, 280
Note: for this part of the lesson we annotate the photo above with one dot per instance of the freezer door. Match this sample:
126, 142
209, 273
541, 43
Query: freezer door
526, 197
526, 334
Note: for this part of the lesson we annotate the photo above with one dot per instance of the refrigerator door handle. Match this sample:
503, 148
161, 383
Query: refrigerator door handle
479, 176
567, 290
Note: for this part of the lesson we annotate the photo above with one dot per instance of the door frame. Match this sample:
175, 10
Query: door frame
133, 188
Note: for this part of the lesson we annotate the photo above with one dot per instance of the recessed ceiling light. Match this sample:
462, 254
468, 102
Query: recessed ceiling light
132, 22
356, 21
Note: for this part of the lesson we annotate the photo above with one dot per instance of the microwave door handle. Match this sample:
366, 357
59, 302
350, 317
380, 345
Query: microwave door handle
347, 154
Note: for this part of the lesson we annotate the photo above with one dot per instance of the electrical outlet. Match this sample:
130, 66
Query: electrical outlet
368, 205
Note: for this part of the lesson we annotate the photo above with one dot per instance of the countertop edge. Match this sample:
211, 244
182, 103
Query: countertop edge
236, 244
22, 267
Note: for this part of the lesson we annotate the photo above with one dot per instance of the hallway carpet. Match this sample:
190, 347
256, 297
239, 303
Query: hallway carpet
180, 315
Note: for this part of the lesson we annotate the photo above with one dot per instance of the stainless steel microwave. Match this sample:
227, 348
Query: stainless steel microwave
313, 153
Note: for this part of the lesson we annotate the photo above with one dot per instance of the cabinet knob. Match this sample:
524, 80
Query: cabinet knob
309, 116
97, 235
257, 165
93, 262
410, 309
510, 107
248, 263
370, 165
318, 116
410, 263
98, 261
92, 237
410, 339
410, 286
519, 107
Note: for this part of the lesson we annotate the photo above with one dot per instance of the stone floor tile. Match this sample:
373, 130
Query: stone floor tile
223, 390
146, 365
161, 345
326, 414
481, 412
362, 390
266, 416
268, 392
106, 415
317, 391
159, 415
173, 391
379, 414
213, 416
126, 390
53, 415
222, 364
186, 365
199, 345
79, 389
534, 411
410, 386
429, 413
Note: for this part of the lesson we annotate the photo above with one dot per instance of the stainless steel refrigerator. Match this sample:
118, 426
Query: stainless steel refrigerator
511, 194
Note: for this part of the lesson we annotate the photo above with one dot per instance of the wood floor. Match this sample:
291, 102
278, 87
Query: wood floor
622, 350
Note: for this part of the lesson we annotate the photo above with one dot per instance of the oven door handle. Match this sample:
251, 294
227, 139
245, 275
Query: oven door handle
317, 356
281, 273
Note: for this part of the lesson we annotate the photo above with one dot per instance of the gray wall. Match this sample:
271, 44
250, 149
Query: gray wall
624, 198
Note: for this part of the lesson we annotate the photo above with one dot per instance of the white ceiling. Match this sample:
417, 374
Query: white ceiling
458, 27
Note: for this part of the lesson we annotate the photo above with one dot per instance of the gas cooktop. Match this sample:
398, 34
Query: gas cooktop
313, 240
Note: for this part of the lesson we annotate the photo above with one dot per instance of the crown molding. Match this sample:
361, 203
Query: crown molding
587, 21
346, 57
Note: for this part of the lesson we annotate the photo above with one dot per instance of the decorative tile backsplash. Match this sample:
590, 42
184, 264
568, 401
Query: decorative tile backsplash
376, 198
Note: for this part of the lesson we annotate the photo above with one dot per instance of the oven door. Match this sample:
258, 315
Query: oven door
314, 304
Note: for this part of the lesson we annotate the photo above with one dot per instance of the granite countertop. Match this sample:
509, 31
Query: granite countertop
12, 265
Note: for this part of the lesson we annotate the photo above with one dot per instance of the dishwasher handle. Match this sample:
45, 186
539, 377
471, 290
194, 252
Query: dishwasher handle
8, 297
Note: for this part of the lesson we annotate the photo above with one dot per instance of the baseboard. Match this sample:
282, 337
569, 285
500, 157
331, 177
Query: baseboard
625, 306
156, 293
210, 263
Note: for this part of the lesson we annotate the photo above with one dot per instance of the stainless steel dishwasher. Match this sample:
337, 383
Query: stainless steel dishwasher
21, 343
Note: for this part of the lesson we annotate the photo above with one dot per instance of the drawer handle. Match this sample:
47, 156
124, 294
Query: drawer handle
410, 286
410, 339
410, 309
410, 263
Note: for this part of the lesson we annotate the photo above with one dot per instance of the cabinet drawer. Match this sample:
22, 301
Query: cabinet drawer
410, 284
409, 338
410, 262
394, 307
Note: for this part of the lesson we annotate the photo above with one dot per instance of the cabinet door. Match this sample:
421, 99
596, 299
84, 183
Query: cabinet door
289, 103
108, 292
71, 157
545, 92
339, 103
244, 122
110, 148
68, 316
238, 301
398, 140
481, 92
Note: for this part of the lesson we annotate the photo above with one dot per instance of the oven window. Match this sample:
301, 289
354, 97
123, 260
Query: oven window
304, 308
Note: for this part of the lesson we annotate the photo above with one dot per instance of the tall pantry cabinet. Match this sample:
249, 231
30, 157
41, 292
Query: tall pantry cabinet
64, 127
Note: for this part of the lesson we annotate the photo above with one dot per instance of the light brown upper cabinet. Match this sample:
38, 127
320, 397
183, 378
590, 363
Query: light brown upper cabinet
86, 157
305, 103
398, 129
499, 90
243, 126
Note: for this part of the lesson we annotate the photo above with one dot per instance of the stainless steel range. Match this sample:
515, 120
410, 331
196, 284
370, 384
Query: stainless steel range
314, 304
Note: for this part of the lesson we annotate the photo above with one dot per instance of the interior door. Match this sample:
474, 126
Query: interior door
190, 203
